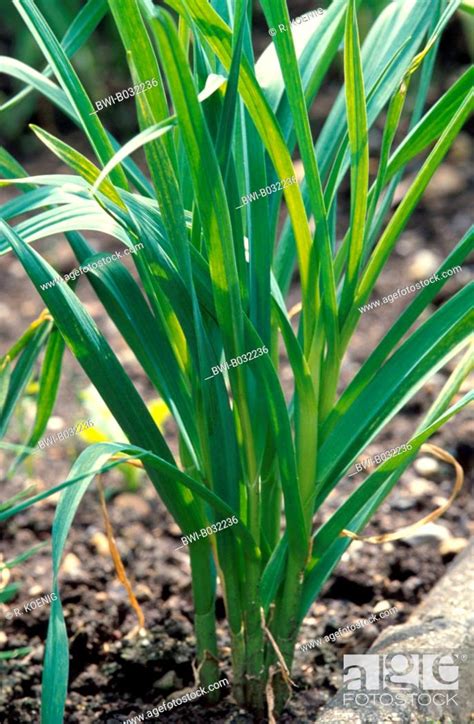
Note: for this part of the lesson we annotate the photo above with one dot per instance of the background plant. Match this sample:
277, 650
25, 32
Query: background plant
211, 284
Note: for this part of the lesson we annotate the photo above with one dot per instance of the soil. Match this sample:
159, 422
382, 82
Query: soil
115, 674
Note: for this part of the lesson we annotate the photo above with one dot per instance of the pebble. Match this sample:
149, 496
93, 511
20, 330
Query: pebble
419, 487
143, 592
56, 423
71, 565
35, 591
404, 503
166, 682
381, 606
100, 543
424, 263
412, 585
369, 633
427, 534
452, 546
426, 467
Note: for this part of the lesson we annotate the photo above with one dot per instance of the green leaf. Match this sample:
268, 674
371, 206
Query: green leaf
359, 146
397, 331
141, 139
433, 123
79, 163
361, 505
218, 35
15, 653
435, 341
70, 83
48, 390
467, 6
277, 12
56, 663
83, 25
143, 63
106, 373
21, 374
399, 21
402, 214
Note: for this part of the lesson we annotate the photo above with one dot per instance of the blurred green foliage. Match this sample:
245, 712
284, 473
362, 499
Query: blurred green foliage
17, 42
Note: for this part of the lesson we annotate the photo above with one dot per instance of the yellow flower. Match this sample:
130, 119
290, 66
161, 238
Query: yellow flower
105, 427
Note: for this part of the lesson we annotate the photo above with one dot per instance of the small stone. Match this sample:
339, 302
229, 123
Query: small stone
142, 592
56, 423
381, 606
419, 487
404, 503
71, 565
426, 467
100, 543
38, 653
166, 682
452, 546
412, 585
424, 263
35, 591
369, 633
427, 534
